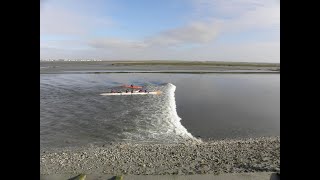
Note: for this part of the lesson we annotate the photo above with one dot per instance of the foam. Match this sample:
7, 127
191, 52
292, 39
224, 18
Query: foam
175, 120
159, 121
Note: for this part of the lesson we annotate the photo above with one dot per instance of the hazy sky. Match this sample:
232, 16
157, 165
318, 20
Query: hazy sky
217, 30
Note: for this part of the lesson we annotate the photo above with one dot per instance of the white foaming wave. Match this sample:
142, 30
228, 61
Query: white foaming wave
159, 121
178, 128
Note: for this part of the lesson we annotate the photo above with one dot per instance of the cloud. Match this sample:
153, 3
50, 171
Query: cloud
221, 17
194, 40
193, 33
259, 18
240, 15
57, 20
230, 8
107, 43
64, 44
74, 53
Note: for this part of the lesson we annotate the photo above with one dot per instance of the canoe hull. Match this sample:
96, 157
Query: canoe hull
131, 94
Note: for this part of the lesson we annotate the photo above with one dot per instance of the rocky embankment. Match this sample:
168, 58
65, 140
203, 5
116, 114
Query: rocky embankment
211, 157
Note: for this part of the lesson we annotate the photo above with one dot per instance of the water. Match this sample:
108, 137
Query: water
192, 106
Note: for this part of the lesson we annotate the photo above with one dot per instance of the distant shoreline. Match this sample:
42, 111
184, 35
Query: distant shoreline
156, 67
164, 72
172, 63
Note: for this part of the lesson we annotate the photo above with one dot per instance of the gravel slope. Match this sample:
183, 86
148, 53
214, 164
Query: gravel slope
211, 157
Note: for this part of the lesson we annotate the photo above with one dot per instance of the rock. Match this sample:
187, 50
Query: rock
118, 178
79, 177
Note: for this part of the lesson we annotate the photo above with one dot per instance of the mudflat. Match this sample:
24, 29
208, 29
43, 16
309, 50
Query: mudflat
156, 66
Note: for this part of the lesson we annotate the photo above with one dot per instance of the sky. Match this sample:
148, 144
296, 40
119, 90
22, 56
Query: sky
195, 30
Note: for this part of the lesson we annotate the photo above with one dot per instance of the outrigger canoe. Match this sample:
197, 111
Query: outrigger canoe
129, 93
